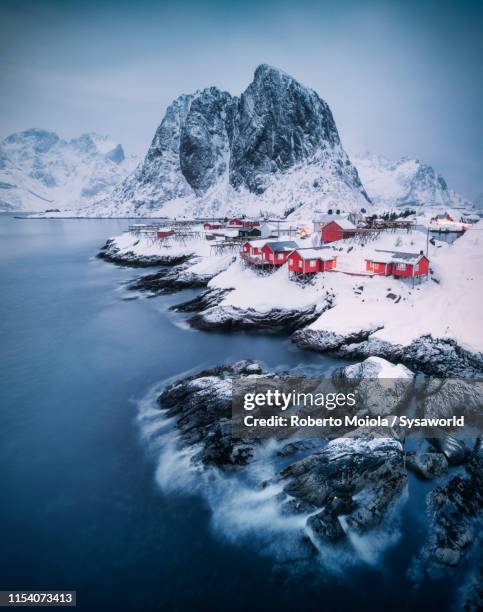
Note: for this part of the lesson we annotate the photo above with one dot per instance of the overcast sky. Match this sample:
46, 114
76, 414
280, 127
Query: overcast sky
401, 78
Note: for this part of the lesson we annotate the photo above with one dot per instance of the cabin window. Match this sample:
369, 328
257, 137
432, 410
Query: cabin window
290, 261
417, 268
312, 263
400, 266
280, 257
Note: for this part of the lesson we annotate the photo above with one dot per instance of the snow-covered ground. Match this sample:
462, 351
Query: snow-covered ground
446, 306
448, 309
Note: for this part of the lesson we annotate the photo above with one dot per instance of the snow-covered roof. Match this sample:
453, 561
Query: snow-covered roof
381, 256
325, 218
344, 224
286, 245
257, 243
316, 253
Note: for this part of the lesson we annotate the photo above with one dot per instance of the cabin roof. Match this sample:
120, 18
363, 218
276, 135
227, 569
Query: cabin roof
257, 243
325, 218
285, 245
322, 253
344, 224
382, 256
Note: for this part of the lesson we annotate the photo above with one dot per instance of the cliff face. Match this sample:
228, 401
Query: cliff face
213, 141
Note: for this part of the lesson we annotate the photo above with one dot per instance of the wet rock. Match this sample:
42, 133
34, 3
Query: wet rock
326, 526
331, 478
202, 406
455, 451
299, 446
427, 465
454, 512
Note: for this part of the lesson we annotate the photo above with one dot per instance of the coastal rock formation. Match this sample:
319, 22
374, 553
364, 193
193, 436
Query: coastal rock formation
441, 357
111, 252
338, 488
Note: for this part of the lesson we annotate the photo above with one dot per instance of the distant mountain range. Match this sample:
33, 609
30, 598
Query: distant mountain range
275, 149
39, 170
406, 183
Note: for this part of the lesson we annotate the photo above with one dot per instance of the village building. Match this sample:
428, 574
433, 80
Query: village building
395, 263
337, 230
253, 248
213, 226
321, 219
249, 232
164, 232
276, 253
311, 260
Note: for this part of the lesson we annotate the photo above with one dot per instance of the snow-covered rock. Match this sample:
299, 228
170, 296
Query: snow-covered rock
406, 183
39, 170
276, 149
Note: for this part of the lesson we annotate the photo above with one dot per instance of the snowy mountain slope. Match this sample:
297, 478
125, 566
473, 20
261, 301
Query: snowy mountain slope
275, 148
39, 170
406, 182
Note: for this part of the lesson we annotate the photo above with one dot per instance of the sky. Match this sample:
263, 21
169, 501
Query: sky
401, 78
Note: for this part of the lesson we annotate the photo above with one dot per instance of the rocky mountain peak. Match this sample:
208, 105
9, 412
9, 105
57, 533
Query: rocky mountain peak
211, 140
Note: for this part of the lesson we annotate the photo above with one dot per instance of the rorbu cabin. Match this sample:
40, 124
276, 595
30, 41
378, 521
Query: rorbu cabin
337, 230
253, 248
311, 261
164, 232
235, 222
395, 263
213, 226
276, 253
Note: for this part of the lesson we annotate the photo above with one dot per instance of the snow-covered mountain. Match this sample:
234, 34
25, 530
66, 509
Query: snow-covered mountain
274, 149
39, 170
406, 183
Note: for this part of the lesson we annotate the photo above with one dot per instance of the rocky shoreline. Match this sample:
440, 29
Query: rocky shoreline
343, 486
110, 252
211, 312
213, 315
440, 357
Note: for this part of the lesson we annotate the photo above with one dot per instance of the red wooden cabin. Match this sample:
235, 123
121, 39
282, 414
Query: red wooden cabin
394, 263
164, 232
253, 247
337, 230
212, 226
235, 222
311, 261
276, 253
